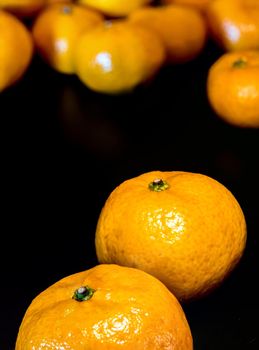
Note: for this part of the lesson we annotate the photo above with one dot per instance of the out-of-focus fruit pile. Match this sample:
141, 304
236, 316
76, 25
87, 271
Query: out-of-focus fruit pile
113, 46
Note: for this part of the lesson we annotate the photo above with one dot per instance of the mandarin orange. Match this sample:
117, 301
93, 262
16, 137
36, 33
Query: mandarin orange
233, 88
107, 307
118, 56
186, 229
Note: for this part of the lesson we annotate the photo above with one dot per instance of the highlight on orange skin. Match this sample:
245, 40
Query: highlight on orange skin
118, 56
56, 32
234, 24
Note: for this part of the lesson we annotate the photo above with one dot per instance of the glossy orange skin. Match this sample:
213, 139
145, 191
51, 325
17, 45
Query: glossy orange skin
190, 235
183, 30
128, 310
117, 8
234, 24
57, 30
200, 5
15, 41
118, 56
23, 8
233, 89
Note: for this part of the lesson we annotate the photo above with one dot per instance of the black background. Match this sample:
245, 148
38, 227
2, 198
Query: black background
64, 150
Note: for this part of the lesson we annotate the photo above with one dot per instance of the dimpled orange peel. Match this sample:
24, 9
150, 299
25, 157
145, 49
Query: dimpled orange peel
184, 228
107, 307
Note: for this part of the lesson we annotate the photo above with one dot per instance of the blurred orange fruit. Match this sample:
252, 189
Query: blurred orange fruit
23, 7
234, 24
118, 56
233, 88
186, 229
115, 7
182, 29
106, 307
16, 49
198, 4
57, 29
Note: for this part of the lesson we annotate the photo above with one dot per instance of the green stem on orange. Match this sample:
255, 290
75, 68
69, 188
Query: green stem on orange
158, 185
83, 293
240, 63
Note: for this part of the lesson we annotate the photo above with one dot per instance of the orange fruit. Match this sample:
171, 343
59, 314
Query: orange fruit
107, 307
16, 49
57, 30
234, 24
200, 5
22, 7
115, 7
233, 88
186, 229
182, 29
118, 56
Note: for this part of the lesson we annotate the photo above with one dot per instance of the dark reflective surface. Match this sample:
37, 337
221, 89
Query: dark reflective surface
64, 150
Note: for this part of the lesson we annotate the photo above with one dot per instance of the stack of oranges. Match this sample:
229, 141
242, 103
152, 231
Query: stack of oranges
114, 46
162, 238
